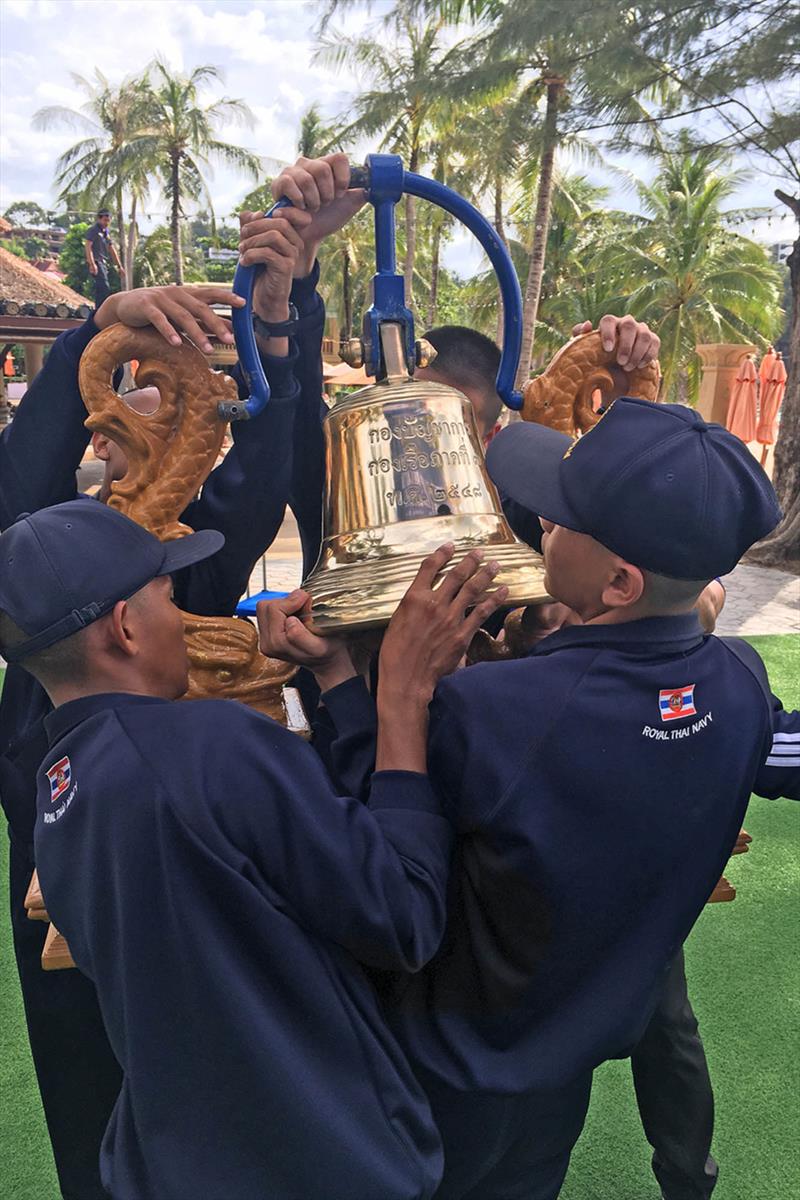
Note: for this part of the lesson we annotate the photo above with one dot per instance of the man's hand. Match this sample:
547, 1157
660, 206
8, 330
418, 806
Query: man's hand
274, 243
636, 343
92, 268
320, 186
172, 311
283, 635
426, 639
432, 628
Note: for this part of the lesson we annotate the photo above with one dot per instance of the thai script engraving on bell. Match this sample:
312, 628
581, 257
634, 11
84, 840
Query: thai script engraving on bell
405, 473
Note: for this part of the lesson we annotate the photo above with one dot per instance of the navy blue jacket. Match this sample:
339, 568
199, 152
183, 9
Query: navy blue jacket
221, 897
593, 831
308, 453
245, 498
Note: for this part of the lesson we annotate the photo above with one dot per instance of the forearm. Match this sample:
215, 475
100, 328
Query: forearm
305, 261
42, 447
274, 313
402, 733
89, 256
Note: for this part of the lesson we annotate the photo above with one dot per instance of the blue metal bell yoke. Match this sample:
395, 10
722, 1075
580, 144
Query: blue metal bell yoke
385, 181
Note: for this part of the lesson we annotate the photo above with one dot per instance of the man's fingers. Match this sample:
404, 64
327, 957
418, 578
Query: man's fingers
304, 188
626, 336
455, 579
608, 332
483, 610
320, 171
645, 348
581, 327
216, 295
431, 566
286, 186
296, 602
303, 641
155, 317
281, 236
340, 166
183, 319
211, 321
476, 585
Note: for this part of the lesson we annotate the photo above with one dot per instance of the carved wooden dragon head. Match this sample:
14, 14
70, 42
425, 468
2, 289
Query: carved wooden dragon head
561, 396
170, 454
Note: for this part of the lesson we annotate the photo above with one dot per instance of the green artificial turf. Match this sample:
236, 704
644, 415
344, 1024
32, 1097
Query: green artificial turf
743, 964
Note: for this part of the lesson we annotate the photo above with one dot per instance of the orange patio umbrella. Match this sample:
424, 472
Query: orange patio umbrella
771, 397
742, 406
765, 368
8, 365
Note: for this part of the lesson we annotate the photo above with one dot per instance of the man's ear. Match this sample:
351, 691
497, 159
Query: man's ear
100, 446
121, 630
625, 585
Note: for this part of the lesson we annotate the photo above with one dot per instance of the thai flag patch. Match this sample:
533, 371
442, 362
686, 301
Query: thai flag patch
60, 776
675, 703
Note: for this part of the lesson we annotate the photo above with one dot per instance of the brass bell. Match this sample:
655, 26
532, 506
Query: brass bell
405, 472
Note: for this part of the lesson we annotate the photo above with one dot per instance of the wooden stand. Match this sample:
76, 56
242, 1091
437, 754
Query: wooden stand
725, 890
55, 955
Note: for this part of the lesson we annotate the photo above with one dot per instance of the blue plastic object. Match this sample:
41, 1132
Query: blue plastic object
386, 181
247, 606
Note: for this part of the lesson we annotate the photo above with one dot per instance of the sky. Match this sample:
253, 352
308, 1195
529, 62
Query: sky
264, 49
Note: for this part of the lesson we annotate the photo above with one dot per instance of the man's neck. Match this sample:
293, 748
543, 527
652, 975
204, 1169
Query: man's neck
634, 612
65, 693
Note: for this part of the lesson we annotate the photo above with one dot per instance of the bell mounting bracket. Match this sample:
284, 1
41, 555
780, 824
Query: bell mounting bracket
386, 181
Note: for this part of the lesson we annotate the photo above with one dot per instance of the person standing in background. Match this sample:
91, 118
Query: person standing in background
97, 247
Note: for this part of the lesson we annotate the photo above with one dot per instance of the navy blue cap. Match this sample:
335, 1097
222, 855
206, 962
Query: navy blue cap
654, 483
63, 567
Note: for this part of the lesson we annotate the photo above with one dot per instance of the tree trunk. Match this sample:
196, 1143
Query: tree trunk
435, 252
130, 257
411, 234
347, 299
541, 224
175, 219
500, 230
785, 541
121, 235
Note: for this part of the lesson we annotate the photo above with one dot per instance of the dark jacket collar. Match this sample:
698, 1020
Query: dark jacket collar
650, 635
68, 715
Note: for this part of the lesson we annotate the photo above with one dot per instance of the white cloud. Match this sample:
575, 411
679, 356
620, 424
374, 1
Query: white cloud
264, 48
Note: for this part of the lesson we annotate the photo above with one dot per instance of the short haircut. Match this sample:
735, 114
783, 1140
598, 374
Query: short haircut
665, 595
466, 357
62, 662
103, 212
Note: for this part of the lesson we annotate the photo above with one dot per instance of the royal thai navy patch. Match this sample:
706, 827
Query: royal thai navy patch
675, 703
60, 777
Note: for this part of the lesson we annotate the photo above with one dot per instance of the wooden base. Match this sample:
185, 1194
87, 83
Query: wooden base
34, 901
56, 955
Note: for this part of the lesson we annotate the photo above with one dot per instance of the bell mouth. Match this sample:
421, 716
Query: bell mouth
364, 594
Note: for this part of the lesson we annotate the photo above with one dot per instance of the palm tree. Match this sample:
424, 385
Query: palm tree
595, 67
407, 75
316, 138
105, 164
694, 280
180, 139
572, 289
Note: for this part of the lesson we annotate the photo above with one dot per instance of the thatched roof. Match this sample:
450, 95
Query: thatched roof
20, 281
5, 226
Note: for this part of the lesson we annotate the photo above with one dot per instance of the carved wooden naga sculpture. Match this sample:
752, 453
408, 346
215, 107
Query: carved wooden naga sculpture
561, 396
170, 454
